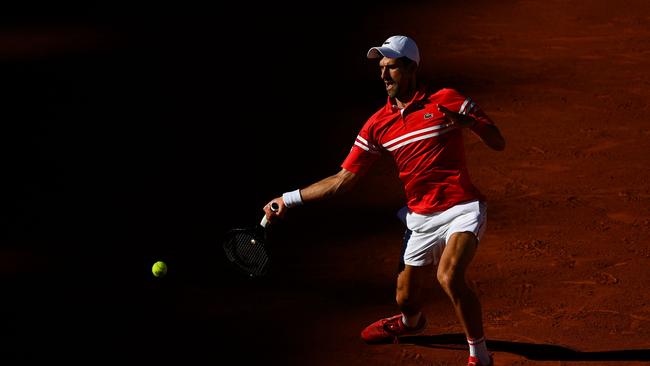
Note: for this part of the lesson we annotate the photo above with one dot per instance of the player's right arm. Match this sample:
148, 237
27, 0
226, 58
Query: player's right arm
331, 186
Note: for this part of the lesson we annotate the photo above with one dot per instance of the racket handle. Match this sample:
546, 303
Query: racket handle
274, 208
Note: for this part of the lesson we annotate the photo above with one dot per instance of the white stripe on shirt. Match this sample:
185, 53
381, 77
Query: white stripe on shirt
361, 145
362, 140
386, 145
462, 107
421, 137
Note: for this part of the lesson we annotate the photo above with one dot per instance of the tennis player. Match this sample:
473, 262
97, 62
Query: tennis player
445, 214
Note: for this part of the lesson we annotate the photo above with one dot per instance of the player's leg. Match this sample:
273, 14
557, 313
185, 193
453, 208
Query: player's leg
408, 293
456, 258
410, 320
415, 264
451, 274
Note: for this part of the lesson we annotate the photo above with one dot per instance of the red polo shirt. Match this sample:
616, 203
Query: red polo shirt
428, 150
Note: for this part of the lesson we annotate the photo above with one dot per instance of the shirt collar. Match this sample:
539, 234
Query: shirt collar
419, 95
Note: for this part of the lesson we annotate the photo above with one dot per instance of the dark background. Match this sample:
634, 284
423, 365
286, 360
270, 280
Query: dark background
136, 134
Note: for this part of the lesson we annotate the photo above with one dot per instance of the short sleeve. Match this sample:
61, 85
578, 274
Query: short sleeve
364, 152
470, 108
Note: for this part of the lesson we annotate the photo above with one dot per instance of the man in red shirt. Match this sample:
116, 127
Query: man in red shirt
445, 214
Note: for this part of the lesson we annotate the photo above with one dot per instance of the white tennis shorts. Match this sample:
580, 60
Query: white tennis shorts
427, 235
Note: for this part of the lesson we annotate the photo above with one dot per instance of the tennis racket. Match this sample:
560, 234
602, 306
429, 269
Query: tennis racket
247, 248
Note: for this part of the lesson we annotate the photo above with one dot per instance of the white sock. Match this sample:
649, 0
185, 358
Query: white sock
412, 320
478, 349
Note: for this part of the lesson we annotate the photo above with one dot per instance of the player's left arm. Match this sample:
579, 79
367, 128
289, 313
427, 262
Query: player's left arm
487, 131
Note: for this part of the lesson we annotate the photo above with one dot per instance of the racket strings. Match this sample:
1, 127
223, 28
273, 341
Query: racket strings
248, 252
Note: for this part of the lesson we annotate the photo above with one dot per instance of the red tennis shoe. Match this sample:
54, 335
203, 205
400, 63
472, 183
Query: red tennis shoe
388, 329
474, 361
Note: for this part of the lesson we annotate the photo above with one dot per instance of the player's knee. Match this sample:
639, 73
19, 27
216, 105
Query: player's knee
444, 279
451, 280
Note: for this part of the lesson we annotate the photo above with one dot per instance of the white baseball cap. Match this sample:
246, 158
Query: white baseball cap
396, 47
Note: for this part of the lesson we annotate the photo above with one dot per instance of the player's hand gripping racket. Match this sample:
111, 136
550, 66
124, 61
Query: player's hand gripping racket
247, 248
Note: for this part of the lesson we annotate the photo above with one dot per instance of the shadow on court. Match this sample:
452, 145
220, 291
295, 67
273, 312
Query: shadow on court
532, 351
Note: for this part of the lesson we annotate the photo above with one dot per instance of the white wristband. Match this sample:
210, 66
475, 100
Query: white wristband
292, 199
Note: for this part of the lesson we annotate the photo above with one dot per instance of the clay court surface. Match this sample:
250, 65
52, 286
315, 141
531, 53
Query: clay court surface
133, 141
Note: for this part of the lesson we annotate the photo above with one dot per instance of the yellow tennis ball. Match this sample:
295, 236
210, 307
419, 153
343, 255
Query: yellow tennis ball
159, 269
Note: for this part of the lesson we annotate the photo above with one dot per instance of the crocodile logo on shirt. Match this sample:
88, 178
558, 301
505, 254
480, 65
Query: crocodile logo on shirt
428, 116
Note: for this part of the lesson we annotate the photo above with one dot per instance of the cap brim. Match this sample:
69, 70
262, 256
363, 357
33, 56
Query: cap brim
379, 52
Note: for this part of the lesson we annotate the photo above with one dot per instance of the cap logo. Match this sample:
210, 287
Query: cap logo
386, 42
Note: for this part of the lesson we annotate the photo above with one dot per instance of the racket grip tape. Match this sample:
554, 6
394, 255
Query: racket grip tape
274, 208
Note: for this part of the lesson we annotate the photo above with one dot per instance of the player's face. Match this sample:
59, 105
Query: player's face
396, 76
